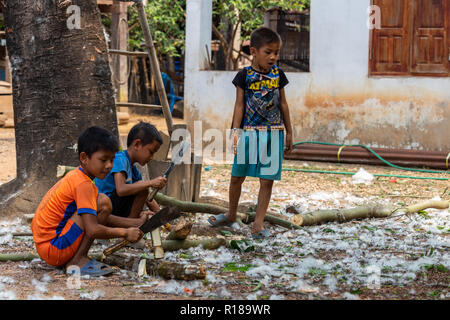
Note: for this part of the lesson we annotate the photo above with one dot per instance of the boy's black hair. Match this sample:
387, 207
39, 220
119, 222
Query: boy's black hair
144, 131
94, 139
263, 36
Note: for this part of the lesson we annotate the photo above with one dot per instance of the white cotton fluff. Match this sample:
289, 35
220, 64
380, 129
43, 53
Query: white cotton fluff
323, 195
224, 293
177, 287
6, 239
252, 296
350, 296
276, 297
39, 286
7, 280
6, 295
362, 176
331, 282
303, 286
94, 295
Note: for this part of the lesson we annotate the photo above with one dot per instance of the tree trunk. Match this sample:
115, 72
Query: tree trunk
61, 85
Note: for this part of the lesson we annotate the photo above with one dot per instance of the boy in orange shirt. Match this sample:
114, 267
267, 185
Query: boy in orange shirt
73, 214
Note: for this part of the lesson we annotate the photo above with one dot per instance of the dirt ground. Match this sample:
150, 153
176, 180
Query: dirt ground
406, 257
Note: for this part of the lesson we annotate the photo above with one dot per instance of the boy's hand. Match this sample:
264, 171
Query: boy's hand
158, 182
289, 142
235, 138
143, 217
134, 235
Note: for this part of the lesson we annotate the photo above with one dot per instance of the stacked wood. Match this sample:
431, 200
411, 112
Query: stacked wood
122, 117
2, 120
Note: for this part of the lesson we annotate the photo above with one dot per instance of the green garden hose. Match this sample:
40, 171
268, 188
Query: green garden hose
373, 152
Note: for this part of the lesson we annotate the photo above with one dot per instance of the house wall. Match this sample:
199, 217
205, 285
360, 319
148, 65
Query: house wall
336, 101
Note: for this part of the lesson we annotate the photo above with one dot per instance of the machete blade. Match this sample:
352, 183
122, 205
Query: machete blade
160, 218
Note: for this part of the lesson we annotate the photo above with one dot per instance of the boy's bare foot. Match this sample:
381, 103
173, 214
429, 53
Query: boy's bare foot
79, 262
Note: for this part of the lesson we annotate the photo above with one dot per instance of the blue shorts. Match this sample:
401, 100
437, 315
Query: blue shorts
259, 154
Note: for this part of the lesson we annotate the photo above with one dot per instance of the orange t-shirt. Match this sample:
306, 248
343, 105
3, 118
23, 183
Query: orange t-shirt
74, 193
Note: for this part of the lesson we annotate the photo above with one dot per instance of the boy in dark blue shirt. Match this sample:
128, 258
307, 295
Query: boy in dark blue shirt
124, 184
260, 119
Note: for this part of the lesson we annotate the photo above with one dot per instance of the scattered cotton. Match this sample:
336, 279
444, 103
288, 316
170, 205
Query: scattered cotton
362, 176
94, 295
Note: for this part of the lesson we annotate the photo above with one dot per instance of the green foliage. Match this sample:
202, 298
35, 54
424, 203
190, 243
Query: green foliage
167, 20
251, 12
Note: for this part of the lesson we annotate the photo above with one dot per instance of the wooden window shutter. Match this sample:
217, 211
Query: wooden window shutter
391, 43
430, 52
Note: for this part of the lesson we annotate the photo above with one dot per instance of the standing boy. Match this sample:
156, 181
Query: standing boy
72, 213
124, 184
260, 115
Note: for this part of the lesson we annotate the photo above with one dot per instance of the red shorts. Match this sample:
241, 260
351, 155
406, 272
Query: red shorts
58, 251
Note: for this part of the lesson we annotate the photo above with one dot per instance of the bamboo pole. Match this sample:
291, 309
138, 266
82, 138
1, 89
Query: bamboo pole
155, 66
195, 207
361, 212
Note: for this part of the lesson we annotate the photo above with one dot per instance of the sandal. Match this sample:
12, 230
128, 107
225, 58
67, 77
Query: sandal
93, 268
220, 220
261, 235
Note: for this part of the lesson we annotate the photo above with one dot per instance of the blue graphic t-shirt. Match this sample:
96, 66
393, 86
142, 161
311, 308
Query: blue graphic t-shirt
122, 163
262, 97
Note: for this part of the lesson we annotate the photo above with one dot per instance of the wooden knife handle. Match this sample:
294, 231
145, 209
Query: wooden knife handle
115, 247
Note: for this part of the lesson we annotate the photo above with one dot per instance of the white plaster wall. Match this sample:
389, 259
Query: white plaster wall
336, 101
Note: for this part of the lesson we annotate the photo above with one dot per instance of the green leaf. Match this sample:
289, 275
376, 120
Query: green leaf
369, 228
356, 291
226, 233
242, 245
424, 214
231, 266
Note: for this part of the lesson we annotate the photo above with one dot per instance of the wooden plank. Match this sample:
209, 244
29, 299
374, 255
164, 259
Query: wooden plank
161, 154
391, 43
105, 2
128, 53
138, 105
196, 177
430, 49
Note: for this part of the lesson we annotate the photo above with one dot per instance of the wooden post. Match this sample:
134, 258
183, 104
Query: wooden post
119, 41
155, 66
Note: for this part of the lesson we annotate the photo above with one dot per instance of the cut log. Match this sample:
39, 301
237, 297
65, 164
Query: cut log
187, 206
164, 269
172, 270
123, 117
156, 243
361, 212
206, 243
17, 257
180, 231
242, 207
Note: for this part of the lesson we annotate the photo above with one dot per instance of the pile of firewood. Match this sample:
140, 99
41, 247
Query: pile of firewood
5, 122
